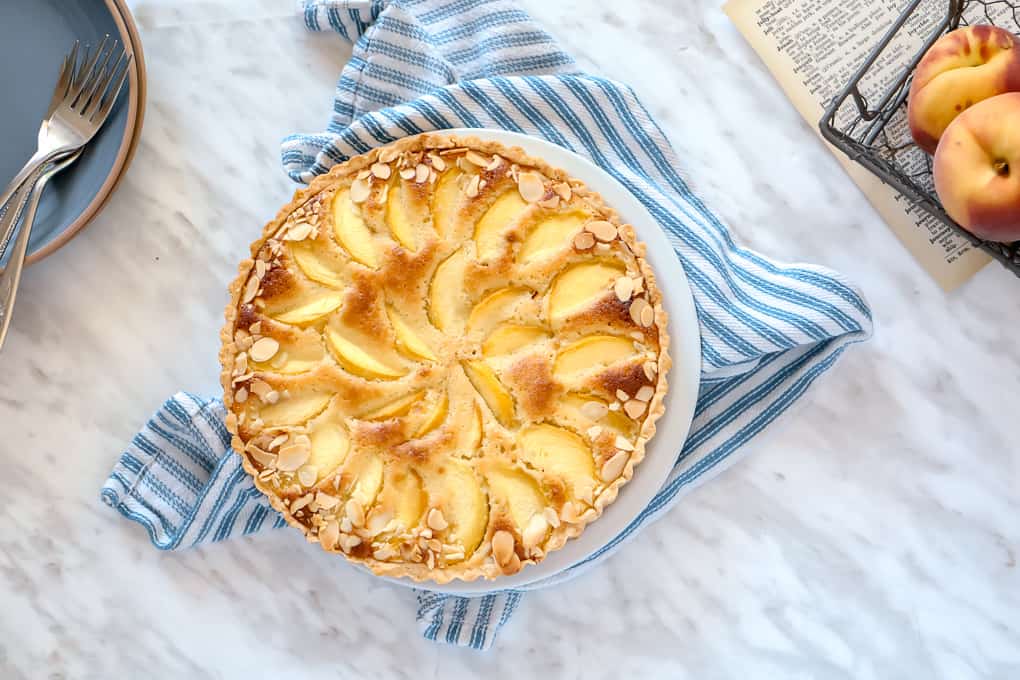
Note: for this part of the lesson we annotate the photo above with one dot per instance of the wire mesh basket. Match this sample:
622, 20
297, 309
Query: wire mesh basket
877, 135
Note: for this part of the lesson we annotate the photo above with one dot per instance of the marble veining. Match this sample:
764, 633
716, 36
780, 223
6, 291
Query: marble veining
872, 534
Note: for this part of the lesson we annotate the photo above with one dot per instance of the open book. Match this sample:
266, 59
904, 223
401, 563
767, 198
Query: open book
813, 48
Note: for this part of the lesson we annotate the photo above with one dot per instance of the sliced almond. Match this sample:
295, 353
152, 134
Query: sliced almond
345, 525
615, 406
639, 284
326, 501
381, 170
437, 162
292, 456
651, 369
435, 546
594, 431
307, 474
241, 395
637, 308
421, 173
264, 349
594, 410
634, 408
647, 316
502, 547
584, 240
251, 289
530, 186
511, 567
388, 154
563, 190
360, 190
298, 232
364, 174
348, 542
301, 502
272, 397
260, 388
622, 396
408, 173
551, 517
623, 288
603, 231
570, 513
265, 459
260, 271
436, 520
613, 467
550, 203
378, 522
355, 512
231, 422
645, 393
476, 158
623, 443
329, 534
496, 161
473, 186
534, 533
278, 441
384, 552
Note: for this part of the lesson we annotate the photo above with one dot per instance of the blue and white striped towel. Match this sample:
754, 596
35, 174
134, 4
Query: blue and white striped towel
768, 330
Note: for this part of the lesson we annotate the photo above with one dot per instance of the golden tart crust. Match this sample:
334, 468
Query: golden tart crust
444, 358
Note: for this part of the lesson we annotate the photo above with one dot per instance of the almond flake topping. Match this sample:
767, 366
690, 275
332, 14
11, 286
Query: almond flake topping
388, 155
584, 240
381, 170
436, 520
594, 410
298, 232
563, 190
622, 396
437, 162
307, 474
645, 393
530, 186
613, 467
263, 350
476, 158
637, 308
634, 408
651, 369
604, 231
551, 517
329, 534
502, 547
293, 455
623, 288
473, 186
623, 443
594, 431
360, 190
326, 501
251, 289
421, 173
408, 173
355, 512
535, 531
647, 316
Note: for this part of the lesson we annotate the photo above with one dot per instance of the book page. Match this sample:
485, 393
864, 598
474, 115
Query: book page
813, 48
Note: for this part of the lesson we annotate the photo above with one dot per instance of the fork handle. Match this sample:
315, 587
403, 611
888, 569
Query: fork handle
38, 160
11, 275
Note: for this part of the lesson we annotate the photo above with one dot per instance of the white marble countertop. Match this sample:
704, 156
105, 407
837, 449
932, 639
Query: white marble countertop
873, 534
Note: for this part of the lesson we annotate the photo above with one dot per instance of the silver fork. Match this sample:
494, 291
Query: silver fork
81, 102
11, 275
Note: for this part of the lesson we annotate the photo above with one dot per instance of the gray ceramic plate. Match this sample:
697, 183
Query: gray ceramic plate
34, 37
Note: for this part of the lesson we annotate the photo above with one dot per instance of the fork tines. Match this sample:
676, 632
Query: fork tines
87, 86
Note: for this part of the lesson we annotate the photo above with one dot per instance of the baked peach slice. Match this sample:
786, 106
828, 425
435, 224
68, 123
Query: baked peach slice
298, 354
330, 443
593, 351
351, 232
490, 232
445, 303
551, 235
409, 343
295, 408
497, 306
561, 453
457, 493
312, 310
398, 218
362, 477
354, 358
517, 491
580, 285
492, 391
446, 202
510, 337
316, 265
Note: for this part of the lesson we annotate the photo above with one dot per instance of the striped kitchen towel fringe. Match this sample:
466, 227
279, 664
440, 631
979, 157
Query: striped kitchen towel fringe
769, 330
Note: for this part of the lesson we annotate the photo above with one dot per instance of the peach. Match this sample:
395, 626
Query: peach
962, 68
977, 169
